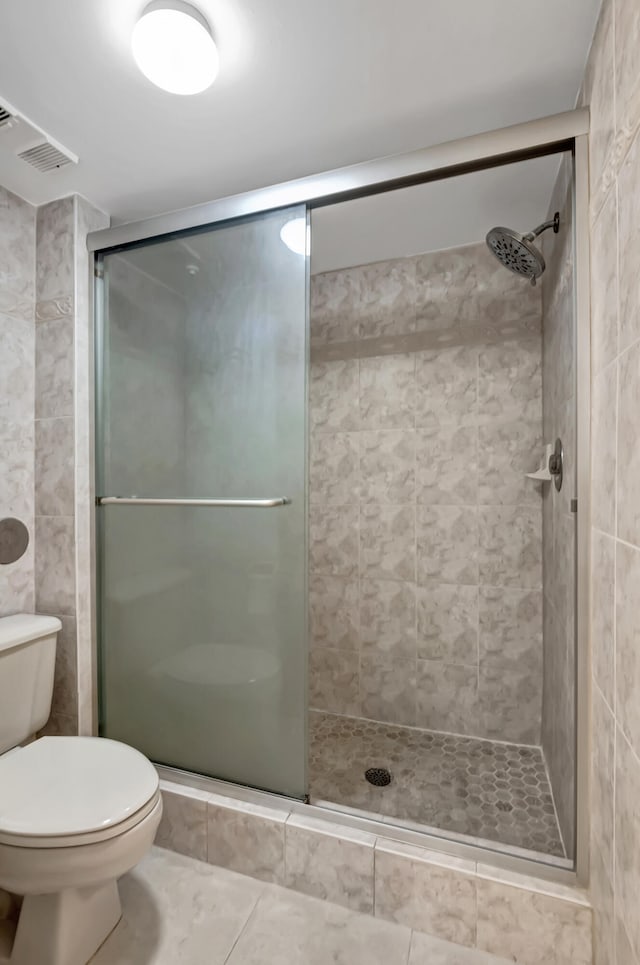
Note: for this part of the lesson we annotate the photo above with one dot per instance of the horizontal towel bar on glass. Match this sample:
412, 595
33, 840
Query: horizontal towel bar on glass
228, 503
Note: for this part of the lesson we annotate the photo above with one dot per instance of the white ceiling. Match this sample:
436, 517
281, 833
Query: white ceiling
429, 217
304, 86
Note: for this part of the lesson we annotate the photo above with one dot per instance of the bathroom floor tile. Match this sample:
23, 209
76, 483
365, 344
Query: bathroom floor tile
484, 789
179, 911
287, 928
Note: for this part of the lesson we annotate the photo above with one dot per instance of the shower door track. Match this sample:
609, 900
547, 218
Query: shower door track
566, 132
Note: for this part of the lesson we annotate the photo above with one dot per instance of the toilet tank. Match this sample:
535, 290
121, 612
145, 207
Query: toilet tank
27, 663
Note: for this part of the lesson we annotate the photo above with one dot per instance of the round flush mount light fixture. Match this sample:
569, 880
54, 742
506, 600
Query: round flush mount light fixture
294, 235
173, 47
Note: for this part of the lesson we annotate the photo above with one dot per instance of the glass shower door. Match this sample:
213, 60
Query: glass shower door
201, 350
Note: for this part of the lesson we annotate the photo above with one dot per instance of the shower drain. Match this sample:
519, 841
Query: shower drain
378, 776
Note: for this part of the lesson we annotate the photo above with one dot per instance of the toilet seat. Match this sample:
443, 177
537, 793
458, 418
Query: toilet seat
67, 791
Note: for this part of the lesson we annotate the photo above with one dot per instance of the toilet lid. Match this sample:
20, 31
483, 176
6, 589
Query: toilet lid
72, 785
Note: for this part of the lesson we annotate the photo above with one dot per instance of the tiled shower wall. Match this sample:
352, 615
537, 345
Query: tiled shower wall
559, 522
17, 338
612, 89
425, 540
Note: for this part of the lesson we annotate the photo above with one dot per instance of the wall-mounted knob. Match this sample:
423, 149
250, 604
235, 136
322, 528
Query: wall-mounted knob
556, 464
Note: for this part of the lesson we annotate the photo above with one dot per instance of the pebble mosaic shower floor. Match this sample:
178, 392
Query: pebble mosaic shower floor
499, 792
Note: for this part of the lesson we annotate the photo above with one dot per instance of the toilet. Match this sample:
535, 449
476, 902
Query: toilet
76, 813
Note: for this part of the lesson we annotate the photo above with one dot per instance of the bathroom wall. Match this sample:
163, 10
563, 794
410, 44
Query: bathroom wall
425, 537
612, 89
559, 526
17, 337
62, 450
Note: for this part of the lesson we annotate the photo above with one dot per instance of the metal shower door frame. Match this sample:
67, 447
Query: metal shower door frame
568, 131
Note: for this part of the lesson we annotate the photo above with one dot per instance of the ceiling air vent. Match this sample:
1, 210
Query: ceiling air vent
5, 116
45, 157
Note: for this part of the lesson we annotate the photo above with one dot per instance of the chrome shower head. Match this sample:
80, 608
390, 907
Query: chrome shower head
517, 252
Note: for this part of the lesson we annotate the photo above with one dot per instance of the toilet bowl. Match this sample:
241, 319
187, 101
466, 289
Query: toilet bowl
76, 813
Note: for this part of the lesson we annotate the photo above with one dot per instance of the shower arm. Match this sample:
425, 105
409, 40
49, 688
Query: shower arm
554, 223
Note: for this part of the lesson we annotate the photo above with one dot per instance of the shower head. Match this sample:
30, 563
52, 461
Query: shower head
517, 252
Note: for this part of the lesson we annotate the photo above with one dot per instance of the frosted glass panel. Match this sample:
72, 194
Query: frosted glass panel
203, 609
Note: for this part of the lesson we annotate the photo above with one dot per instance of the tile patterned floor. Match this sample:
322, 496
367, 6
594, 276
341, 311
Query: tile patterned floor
499, 792
178, 911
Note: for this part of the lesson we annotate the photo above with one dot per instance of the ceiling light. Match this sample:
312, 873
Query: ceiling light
294, 235
173, 47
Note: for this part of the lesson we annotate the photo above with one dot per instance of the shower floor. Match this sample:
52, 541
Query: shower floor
498, 792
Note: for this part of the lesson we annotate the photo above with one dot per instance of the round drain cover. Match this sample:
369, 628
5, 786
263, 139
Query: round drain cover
378, 776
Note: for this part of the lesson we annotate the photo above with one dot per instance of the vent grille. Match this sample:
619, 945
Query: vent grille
5, 116
45, 157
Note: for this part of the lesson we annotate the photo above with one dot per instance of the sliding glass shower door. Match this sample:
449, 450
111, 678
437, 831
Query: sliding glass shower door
201, 388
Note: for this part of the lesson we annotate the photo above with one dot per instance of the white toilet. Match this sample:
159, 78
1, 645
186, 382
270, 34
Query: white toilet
76, 813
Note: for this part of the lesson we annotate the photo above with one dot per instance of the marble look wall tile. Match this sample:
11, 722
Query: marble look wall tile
334, 865
16, 371
602, 779
510, 623
426, 950
447, 386
333, 294
388, 617
334, 681
602, 612
448, 623
530, 928
627, 92
447, 544
54, 248
505, 454
386, 298
65, 688
467, 285
54, 467
16, 477
447, 465
629, 248
599, 90
510, 546
333, 468
388, 688
183, 827
17, 591
333, 396
388, 542
249, 840
17, 248
60, 725
447, 697
628, 455
387, 392
603, 916
333, 612
333, 540
509, 704
604, 285
625, 954
627, 641
510, 382
55, 565
52, 308
54, 368
434, 897
627, 839
387, 466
